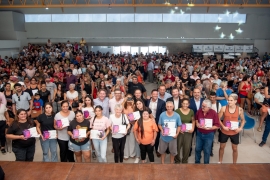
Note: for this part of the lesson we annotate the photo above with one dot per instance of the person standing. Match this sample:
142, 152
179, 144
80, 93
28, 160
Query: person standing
184, 139
172, 120
21, 100
4, 121
80, 146
175, 98
157, 106
70, 79
62, 137
45, 122
145, 131
103, 101
23, 148
231, 113
118, 139
162, 94
150, 70
205, 135
101, 123
117, 99
223, 93
132, 86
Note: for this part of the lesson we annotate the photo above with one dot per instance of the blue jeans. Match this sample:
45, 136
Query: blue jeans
49, 144
24, 154
267, 129
203, 142
101, 149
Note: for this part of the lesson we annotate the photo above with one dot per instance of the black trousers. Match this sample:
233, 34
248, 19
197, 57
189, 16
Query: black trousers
66, 155
157, 141
118, 147
2, 133
149, 149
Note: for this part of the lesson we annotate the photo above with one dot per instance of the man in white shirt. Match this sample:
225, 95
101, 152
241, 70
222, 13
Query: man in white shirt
217, 80
117, 99
167, 64
206, 75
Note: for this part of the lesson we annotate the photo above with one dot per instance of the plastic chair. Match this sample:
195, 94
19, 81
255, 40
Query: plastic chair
250, 124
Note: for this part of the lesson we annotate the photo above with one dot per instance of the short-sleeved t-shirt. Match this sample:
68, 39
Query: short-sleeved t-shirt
62, 134
149, 128
170, 121
82, 125
44, 96
220, 93
24, 101
185, 118
46, 122
118, 121
132, 87
17, 128
100, 124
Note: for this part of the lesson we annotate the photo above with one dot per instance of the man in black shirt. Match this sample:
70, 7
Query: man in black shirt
132, 86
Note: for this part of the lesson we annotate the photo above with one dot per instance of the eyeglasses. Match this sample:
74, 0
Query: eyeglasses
19, 99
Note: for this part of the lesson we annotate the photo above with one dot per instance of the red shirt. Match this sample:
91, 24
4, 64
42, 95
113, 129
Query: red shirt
172, 78
211, 114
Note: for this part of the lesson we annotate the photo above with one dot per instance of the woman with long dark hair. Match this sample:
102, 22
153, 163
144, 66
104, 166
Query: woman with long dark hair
101, 123
44, 123
58, 97
245, 88
62, 137
145, 130
80, 146
23, 148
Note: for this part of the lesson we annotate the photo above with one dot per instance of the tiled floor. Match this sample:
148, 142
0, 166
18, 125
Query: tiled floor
248, 150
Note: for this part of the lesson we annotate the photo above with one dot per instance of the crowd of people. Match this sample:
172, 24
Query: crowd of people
105, 93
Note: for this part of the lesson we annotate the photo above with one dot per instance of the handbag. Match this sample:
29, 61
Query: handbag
249, 95
124, 122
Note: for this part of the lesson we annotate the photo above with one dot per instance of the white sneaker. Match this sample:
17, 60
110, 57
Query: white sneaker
137, 160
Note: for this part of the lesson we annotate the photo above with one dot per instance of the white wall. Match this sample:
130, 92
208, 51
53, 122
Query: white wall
263, 46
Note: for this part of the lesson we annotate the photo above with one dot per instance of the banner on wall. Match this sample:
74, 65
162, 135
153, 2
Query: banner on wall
248, 48
207, 48
218, 48
238, 48
229, 49
198, 48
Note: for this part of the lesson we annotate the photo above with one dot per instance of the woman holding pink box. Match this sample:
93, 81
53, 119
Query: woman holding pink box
22, 146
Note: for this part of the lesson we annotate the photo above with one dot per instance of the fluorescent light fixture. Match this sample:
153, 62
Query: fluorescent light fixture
217, 28
231, 36
222, 35
46, 8
239, 30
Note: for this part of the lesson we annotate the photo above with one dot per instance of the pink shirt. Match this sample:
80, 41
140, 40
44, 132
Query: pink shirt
3, 99
100, 124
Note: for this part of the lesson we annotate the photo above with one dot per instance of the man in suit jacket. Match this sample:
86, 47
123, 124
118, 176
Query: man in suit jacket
157, 106
196, 101
175, 98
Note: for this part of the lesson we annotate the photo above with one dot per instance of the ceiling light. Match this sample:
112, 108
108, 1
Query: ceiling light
167, 37
239, 30
219, 18
231, 36
222, 35
172, 11
217, 28
46, 8
176, 7
227, 12
235, 14
181, 11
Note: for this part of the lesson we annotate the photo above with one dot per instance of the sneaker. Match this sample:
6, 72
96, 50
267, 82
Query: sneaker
261, 144
137, 160
94, 156
3, 151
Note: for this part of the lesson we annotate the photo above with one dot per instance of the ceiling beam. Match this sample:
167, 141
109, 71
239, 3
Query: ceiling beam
133, 5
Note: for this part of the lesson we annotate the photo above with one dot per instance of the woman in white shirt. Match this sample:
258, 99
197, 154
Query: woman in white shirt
72, 95
88, 108
118, 139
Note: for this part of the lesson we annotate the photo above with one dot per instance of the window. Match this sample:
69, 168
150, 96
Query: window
225, 18
211, 18
239, 18
155, 17
65, 18
125, 49
197, 18
99, 17
85, 18
162, 49
153, 49
127, 17
134, 50
38, 18
113, 17
144, 50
